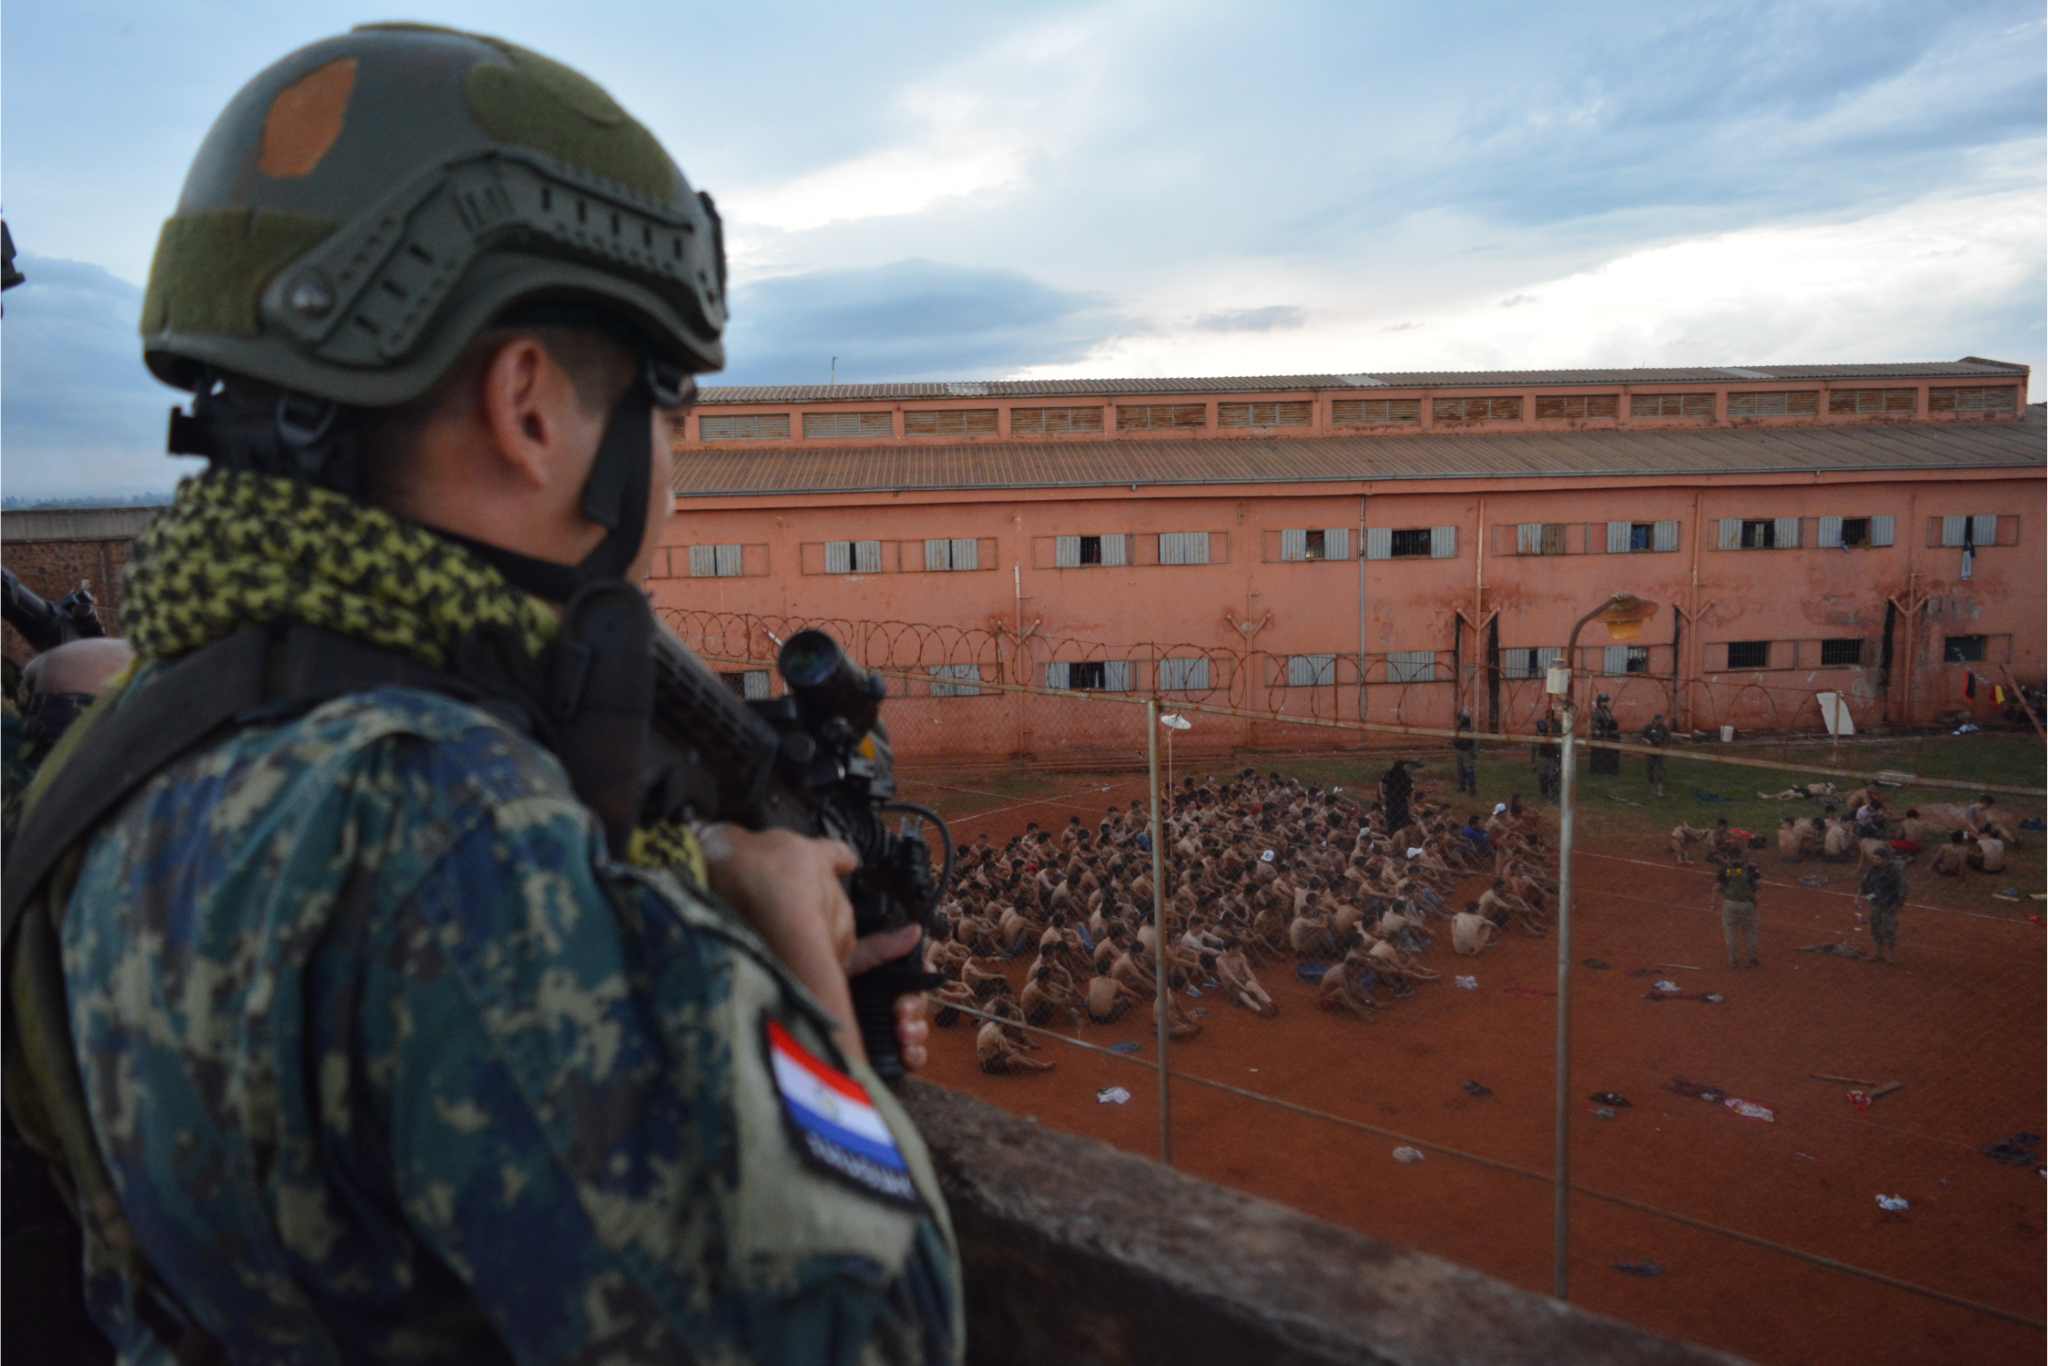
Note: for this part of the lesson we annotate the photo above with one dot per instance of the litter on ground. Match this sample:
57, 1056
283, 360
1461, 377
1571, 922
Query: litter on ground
1407, 1154
1112, 1095
1894, 1204
1469, 983
1477, 1090
1609, 1098
1125, 1048
1645, 1268
1750, 1109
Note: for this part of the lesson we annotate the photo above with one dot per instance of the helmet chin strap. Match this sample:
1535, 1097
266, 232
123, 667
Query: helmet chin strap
614, 497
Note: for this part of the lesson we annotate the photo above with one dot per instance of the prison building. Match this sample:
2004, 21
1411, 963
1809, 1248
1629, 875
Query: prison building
1396, 547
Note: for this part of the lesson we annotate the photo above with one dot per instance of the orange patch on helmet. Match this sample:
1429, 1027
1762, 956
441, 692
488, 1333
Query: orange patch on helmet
305, 120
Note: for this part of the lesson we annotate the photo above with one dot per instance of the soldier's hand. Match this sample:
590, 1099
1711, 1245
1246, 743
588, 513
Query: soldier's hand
787, 888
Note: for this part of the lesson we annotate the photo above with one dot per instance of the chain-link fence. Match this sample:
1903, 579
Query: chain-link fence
1820, 1156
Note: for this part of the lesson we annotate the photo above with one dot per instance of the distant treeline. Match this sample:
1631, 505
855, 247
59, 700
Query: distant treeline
95, 500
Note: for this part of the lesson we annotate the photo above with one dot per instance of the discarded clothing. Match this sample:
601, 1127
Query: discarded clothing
1609, 1098
1713, 1095
2021, 1150
1644, 1268
1312, 973
1112, 1095
1125, 1048
1477, 1091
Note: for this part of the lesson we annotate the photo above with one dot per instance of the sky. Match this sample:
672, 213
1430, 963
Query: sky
1137, 188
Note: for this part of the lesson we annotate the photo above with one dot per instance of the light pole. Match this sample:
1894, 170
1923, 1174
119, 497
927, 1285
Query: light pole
1623, 615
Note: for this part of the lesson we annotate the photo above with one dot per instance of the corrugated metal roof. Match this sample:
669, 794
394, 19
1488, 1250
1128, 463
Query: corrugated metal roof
1082, 464
1970, 367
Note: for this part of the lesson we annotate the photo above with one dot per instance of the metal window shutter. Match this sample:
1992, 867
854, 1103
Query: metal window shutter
726, 561
755, 685
1664, 536
1233, 415
1547, 656
1529, 538
1731, 533
1301, 671
1616, 660
703, 561
1379, 543
1337, 543
867, 557
1195, 547
1170, 674
1618, 537
1198, 673
966, 552
1294, 544
1056, 675
1984, 529
839, 557
1116, 675
1443, 542
1830, 537
1786, 534
1066, 552
1172, 548
1113, 550
1881, 531
938, 554
1952, 529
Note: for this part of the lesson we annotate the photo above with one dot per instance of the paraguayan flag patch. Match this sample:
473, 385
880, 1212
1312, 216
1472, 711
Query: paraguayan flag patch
835, 1125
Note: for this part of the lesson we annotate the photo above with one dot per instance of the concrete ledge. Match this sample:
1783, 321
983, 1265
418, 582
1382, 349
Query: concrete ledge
24, 525
1076, 1252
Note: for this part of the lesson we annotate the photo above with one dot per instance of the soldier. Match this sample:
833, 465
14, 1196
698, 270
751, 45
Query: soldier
1884, 890
439, 1055
1467, 753
1737, 882
1549, 765
1605, 727
1656, 734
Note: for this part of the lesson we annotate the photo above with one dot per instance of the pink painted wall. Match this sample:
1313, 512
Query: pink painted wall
1792, 597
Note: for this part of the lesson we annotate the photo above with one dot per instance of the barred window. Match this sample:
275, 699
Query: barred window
1899, 402
715, 561
1183, 547
1841, 650
1749, 654
751, 684
1977, 398
951, 422
1095, 675
1080, 552
1558, 407
1153, 417
956, 680
1374, 412
1632, 538
853, 557
1539, 538
1475, 409
1411, 666
1962, 650
1054, 421
1329, 543
1776, 403
1625, 659
1184, 675
1528, 661
743, 427
1670, 405
942, 553
849, 425
1296, 414
1311, 671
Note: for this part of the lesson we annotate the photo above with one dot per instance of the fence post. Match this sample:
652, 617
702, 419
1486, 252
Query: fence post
1159, 993
1560, 1215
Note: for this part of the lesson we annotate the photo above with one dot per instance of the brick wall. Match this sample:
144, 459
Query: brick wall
52, 550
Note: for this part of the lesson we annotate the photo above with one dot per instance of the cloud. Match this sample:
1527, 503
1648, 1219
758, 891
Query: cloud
1517, 300
78, 412
907, 320
1267, 319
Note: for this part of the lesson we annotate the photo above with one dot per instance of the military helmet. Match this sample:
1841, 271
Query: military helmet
367, 205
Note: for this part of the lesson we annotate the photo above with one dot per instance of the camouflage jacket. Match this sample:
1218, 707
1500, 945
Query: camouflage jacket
390, 1061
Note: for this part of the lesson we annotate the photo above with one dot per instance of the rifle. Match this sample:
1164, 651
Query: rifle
816, 761
45, 626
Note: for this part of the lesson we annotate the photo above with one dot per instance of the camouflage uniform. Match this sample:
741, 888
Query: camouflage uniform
389, 1061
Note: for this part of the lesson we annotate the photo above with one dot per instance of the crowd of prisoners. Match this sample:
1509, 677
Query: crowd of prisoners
1260, 872
1960, 838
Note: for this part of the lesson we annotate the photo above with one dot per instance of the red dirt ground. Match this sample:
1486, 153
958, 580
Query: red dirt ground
1959, 1022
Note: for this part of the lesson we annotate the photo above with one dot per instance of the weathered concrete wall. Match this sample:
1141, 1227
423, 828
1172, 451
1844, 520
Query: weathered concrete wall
1076, 1252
